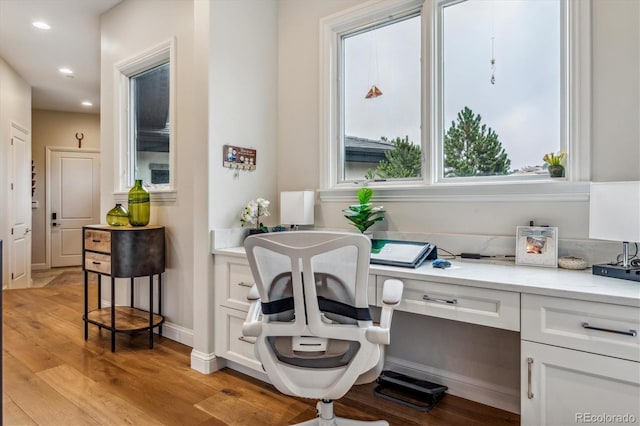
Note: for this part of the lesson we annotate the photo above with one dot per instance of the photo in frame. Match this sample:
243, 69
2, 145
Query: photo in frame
537, 246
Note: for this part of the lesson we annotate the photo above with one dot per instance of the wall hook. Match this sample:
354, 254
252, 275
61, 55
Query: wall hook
80, 139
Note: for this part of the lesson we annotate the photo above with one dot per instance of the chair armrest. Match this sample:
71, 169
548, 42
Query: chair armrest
252, 326
391, 297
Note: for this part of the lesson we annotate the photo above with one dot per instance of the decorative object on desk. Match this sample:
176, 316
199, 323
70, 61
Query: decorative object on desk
139, 205
118, 216
296, 208
571, 262
614, 215
252, 212
555, 163
363, 215
537, 246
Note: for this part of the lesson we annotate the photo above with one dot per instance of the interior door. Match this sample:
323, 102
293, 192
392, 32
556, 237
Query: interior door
20, 195
74, 185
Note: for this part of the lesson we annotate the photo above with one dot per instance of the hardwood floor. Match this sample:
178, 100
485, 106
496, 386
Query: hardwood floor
53, 377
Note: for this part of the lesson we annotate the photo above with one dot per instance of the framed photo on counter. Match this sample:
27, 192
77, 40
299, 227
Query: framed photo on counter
537, 246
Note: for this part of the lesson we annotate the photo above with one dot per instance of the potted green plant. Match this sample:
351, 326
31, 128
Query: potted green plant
555, 163
363, 215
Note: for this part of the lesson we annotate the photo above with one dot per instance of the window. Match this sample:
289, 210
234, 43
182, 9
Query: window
381, 137
491, 87
147, 121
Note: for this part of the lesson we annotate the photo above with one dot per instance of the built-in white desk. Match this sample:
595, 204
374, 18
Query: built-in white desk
579, 351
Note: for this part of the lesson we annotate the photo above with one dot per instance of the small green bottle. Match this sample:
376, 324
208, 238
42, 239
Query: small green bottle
139, 205
118, 216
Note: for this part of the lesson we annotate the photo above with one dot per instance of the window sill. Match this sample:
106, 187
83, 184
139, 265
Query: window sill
559, 191
156, 197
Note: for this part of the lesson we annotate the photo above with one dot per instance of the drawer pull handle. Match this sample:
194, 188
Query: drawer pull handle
95, 263
243, 284
96, 241
244, 339
529, 367
427, 298
631, 333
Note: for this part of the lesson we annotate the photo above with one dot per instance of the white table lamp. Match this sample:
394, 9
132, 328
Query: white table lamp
614, 215
296, 208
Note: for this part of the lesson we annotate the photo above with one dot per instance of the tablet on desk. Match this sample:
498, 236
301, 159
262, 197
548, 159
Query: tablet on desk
409, 254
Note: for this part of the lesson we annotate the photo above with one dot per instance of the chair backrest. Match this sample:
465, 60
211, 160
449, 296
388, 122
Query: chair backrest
313, 292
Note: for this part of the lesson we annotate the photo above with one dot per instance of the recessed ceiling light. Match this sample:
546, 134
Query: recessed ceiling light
41, 25
87, 103
65, 71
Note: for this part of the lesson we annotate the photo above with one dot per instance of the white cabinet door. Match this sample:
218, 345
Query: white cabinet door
564, 387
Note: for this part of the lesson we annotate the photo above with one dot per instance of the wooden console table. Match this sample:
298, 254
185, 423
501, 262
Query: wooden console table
123, 252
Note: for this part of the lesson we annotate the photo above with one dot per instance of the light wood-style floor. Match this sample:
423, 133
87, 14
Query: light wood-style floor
53, 377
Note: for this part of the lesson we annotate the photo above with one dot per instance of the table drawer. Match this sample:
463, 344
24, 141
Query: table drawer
492, 308
599, 328
231, 344
97, 262
97, 240
239, 281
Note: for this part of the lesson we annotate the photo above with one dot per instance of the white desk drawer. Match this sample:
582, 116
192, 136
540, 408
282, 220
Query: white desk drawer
492, 308
599, 328
231, 344
239, 281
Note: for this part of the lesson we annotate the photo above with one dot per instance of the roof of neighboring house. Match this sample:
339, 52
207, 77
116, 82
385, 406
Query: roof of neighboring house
365, 150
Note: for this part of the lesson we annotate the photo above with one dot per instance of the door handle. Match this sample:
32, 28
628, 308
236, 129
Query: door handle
27, 230
54, 224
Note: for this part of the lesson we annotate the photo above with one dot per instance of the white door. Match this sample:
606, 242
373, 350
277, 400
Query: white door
564, 387
74, 191
20, 196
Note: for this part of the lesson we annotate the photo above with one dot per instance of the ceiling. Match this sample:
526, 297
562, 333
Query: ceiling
72, 42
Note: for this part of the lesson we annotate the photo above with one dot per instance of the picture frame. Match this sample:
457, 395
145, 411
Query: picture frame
537, 246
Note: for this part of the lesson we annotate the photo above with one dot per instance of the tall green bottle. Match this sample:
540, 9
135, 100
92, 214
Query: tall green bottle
139, 205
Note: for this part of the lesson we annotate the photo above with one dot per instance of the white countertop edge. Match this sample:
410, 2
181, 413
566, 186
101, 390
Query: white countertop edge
582, 285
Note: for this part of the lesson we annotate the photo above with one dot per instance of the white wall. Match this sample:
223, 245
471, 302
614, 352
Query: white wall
615, 155
128, 29
54, 128
15, 106
615, 145
226, 54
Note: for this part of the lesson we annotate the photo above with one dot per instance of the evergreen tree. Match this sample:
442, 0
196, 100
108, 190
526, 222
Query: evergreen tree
404, 160
472, 149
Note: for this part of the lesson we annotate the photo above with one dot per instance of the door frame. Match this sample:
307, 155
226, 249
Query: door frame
47, 231
10, 252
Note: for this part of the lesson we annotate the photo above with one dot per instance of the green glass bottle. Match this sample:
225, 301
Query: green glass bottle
139, 205
118, 216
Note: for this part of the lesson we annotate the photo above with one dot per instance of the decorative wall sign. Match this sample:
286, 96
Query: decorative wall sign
236, 157
537, 246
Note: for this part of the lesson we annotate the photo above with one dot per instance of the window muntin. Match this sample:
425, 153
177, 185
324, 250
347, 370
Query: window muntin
380, 93
503, 61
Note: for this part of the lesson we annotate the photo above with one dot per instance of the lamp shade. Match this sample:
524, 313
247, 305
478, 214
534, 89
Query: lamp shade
296, 207
614, 211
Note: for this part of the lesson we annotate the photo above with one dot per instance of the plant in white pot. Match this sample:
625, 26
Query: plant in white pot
363, 215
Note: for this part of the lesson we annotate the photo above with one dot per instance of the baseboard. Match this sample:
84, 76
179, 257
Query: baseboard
462, 386
39, 266
260, 375
206, 363
177, 333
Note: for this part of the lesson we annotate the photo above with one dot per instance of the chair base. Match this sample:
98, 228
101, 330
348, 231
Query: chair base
326, 417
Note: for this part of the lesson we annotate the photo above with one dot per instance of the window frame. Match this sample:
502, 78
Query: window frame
575, 128
124, 71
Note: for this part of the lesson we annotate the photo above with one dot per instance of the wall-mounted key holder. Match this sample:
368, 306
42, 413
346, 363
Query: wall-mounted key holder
239, 158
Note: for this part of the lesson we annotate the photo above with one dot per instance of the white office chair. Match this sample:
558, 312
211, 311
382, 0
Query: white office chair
315, 337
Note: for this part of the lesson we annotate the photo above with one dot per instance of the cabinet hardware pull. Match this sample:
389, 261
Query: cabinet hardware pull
631, 333
244, 339
529, 364
243, 284
96, 263
427, 298
96, 241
